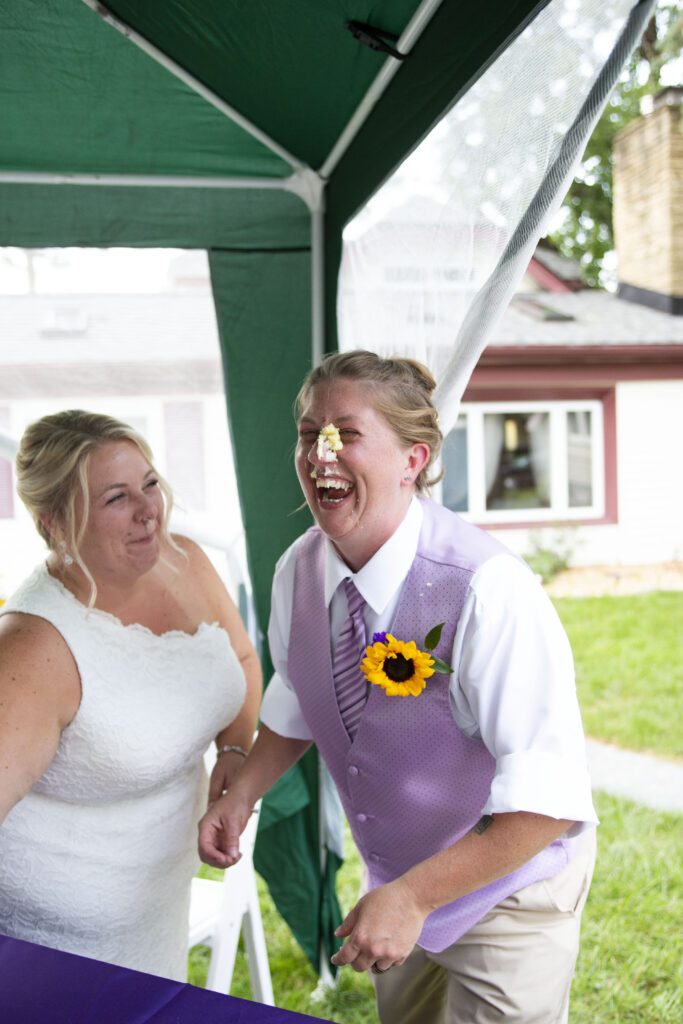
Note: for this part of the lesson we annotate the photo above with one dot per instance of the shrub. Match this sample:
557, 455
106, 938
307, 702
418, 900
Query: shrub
547, 558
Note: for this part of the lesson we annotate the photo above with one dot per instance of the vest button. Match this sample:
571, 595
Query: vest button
374, 857
353, 770
361, 817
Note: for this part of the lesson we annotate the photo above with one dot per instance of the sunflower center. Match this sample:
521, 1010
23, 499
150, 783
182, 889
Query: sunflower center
398, 669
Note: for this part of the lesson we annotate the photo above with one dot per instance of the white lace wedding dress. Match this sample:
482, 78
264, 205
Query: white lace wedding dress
98, 858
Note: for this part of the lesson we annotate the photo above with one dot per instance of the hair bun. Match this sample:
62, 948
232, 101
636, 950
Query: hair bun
421, 374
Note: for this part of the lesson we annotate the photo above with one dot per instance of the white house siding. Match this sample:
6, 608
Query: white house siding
584, 545
650, 471
649, 487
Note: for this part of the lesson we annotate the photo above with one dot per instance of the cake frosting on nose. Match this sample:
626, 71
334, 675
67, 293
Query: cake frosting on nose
329, 443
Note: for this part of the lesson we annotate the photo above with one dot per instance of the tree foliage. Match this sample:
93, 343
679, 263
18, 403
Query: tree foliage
586, 232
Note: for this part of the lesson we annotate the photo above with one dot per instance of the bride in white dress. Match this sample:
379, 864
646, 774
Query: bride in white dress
121, 658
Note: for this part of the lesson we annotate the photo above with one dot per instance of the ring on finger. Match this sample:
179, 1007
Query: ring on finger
379, 970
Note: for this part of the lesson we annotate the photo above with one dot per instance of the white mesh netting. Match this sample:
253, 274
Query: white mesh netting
432, 260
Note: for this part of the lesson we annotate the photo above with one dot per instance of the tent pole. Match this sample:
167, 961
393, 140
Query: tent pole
193, 83
327, 979
317, 285
411, 34
143, 180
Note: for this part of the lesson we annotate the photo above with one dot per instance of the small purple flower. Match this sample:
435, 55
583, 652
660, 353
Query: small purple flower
379, 638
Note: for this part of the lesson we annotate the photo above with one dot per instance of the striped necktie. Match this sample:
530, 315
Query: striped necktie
349, 682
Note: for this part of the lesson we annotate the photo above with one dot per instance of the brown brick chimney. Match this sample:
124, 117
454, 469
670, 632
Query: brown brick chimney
648, 205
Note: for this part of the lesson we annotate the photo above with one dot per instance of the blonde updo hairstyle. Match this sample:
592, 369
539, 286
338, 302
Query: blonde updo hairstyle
52, 474
400, 390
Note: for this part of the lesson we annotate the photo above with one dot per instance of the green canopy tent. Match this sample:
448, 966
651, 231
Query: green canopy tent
254, 131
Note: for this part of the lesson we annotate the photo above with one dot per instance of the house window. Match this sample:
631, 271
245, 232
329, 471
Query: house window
517, 460
525, 461
6, 482
184, 428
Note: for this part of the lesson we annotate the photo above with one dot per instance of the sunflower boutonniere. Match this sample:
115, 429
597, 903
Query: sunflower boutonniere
399, 667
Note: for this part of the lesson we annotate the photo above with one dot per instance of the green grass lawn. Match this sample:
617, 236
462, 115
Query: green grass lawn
628, 653
628, 660
629, 967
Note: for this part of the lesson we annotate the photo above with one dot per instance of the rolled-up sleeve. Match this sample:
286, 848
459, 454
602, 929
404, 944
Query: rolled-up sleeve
280, 709
514, 688
281, 712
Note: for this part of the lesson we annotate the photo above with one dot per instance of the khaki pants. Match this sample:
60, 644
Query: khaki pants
516, 965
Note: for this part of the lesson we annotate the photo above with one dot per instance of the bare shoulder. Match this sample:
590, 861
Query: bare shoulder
208, 591
196, 562
23, 634
36, 661
190, 548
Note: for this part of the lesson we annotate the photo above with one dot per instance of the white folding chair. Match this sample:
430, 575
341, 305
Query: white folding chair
219, 911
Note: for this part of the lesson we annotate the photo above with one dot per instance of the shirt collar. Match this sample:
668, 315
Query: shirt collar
380, 578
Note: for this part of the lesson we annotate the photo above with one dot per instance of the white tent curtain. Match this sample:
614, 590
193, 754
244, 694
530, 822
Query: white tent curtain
432, 260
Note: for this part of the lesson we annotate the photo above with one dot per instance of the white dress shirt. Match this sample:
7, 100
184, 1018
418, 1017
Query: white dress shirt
513, 680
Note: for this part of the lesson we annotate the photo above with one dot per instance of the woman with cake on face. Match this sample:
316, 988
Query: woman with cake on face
430, 669
121, 658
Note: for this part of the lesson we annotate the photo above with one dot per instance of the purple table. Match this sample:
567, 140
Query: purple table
44, 986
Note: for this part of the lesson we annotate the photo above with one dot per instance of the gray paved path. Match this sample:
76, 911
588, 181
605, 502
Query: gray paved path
648, 780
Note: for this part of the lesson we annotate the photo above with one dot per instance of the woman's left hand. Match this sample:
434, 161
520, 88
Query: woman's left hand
382, 928
225, 771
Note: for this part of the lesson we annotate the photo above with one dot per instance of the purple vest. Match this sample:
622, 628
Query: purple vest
411, 782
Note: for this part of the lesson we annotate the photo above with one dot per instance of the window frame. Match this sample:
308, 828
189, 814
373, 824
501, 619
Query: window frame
559, 509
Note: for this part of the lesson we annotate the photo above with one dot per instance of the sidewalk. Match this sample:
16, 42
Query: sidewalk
647, 780
651, 781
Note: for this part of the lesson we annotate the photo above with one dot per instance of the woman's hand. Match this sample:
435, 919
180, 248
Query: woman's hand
226, 769
226, 819
221, 827
382, 928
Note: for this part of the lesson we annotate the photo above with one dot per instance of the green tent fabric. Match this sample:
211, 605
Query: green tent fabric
78, 99
289, 821
253, 130
84, 110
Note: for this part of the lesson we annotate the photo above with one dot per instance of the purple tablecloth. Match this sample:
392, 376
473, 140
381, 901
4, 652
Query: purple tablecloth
44, 986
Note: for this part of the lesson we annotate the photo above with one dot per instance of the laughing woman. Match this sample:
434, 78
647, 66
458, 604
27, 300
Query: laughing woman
121, 657
428, 666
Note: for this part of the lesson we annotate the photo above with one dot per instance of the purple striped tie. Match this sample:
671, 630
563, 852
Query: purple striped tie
349, 682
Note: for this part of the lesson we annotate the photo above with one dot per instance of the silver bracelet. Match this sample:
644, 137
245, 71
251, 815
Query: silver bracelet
228, 750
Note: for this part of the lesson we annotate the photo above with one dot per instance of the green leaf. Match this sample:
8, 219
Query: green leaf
433, 636
440, 666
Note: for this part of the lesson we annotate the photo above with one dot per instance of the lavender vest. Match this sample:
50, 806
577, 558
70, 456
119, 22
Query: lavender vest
411, 782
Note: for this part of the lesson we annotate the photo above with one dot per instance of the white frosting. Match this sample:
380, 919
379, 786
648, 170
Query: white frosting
329, 443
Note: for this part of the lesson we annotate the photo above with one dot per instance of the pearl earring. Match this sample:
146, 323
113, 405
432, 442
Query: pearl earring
66, 557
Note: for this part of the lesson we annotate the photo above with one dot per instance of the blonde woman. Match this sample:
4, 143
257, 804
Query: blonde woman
121, 658
467, 792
